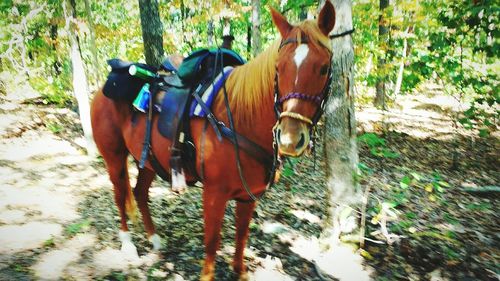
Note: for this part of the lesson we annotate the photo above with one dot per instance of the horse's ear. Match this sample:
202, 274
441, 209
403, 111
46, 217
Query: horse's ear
326, 19
281, 23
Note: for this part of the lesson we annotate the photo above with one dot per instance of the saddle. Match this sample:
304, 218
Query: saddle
179, 94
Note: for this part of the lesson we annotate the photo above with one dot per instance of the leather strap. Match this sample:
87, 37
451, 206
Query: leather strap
250, 147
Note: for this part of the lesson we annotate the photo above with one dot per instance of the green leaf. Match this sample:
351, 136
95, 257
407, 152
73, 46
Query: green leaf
405, 182
484, 133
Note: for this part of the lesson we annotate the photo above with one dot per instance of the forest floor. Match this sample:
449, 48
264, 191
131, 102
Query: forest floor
58, 219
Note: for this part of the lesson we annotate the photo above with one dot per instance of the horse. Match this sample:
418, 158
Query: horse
275, 99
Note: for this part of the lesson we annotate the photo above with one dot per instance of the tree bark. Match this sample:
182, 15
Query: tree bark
152, 32
80, 86
383, 33
256, 45
341, 157
93, 47
340, 148
210, 33
249, 39
399, 80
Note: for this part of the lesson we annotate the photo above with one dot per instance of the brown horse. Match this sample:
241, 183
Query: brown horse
290, 79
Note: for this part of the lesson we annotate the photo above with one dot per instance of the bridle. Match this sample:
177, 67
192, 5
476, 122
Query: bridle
319, 100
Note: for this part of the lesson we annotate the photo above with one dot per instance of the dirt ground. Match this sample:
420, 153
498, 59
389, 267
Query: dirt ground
58, 219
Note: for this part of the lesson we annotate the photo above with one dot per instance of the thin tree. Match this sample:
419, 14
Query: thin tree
383, 35
80, 84
152, 32
256, 44
93, 48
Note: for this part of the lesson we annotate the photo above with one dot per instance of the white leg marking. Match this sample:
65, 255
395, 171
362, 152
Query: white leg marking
128, 248
156, 241
178, 182
300, 55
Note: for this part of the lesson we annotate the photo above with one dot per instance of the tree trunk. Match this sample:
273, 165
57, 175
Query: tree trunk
383, 33
341, 157
249, 40
152, 32
93, 47
399, 80
256, 45
303, 13
53, 39
340, 148
80, 87
210, 33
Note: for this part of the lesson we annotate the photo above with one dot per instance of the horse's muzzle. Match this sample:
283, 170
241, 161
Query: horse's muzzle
292, 136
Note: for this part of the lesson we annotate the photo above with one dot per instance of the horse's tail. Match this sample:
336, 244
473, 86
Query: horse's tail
130, 205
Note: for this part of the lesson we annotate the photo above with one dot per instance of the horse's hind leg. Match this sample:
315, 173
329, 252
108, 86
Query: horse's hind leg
244, 213
109, 140
116, 163
141, 194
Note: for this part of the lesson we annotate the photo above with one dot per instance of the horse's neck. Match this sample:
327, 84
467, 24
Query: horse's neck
254, 119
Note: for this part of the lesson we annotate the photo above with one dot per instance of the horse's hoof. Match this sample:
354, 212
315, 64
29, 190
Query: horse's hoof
179, 190
128, 248
208, 273
243, 277
207, 277
156, 241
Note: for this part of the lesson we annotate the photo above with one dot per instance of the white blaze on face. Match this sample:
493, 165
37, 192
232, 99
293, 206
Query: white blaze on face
300, 55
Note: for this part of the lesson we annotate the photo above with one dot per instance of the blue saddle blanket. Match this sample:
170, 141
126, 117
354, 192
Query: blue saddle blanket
210, 93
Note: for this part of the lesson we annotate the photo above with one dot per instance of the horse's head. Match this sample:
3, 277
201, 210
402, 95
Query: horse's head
302, 78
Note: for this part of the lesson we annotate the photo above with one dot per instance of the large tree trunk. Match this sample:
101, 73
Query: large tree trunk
256, 45
80, 86
341, 156
383, 33
341, 153
152, 32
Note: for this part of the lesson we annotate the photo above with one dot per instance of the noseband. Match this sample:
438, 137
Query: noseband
319, 100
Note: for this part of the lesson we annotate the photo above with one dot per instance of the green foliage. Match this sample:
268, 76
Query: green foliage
76, 228
54, 127
433, 184
377, 146
454, 43
49, 243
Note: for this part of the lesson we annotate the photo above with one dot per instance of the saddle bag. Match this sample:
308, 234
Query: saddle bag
120, 85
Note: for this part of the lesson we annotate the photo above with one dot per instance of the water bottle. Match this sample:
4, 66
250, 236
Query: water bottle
141, 102
142, 73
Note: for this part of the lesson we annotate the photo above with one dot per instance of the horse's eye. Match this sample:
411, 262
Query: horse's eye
323, 70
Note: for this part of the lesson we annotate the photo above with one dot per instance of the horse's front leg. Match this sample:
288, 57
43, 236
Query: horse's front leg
244, 213
214, 205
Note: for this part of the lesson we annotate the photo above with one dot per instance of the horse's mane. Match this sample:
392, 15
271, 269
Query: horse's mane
251, 85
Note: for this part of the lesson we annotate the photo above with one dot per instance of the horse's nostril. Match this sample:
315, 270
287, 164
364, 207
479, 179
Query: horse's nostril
278, 135
302, 141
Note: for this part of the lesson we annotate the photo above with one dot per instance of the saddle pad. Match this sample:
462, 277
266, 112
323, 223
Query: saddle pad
210, 93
